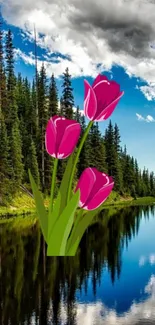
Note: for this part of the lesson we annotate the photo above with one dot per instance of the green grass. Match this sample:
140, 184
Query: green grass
22, 204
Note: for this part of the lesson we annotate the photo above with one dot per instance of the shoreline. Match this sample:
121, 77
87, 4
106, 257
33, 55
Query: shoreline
28, 204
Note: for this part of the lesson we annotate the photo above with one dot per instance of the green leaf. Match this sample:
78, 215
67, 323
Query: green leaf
65, 183
53, 216
61, 230
83, 222
61, 200
77, 219
41, 211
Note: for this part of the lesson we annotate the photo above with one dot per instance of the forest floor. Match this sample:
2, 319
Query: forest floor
23, 204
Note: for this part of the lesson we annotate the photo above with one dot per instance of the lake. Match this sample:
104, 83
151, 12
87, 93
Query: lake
110, 281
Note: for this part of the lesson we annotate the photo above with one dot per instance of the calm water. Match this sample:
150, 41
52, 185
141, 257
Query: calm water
111, 281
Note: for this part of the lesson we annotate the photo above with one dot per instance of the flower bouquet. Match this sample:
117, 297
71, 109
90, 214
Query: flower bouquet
72, 212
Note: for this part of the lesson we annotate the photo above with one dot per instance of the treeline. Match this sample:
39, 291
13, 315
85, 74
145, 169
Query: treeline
24, 111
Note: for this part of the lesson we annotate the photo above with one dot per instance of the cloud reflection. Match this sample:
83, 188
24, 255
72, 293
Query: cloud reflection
96, 314
144, 259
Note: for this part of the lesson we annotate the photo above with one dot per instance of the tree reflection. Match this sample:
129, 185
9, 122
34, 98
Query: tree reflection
33, 285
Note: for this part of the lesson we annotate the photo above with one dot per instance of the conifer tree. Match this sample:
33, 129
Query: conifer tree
16, 155
3, 92
31, 162
77, 115
152, 184
34, 113
11, 117
112, 158
5, 168
1, 62
53, 97
97, 149
43, 118
67, 95
84, 155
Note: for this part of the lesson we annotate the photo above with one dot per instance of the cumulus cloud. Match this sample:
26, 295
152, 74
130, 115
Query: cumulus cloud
148, 91
91, 35
148, 118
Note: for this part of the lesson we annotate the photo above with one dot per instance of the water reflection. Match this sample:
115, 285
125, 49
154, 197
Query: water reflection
111, 279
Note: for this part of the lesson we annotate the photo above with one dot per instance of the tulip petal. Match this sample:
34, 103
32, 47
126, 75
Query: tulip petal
106, 92
69, 139
85, 184
60, 125
102, 180
90, 102
99, 78
104, 115
50, 138
100, 197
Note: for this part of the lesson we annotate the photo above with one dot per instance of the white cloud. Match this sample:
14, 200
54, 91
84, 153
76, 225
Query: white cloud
148, 91
94, 35
148, 118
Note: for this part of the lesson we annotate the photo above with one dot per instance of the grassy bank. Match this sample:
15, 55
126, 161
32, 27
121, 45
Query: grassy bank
115, 199
24, 205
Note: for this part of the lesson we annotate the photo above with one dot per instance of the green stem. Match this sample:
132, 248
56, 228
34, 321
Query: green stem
53, 184
77, 157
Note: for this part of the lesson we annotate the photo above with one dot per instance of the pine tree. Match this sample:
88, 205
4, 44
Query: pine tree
97, 149
3, 94
112, 157
53, 97
11, 117
10, 63
16, 154
34, 113
152, 184
67, 95
5, 168
43, 157
1, 62
32, 163
77, 115
84, 155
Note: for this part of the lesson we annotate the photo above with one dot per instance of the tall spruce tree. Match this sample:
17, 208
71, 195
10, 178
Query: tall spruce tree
84, 155
5, 168
3, 90
66, 110
32, 163
53, 97
97, 149
1, 62
11, 116
112, 157
67, 95
43, 157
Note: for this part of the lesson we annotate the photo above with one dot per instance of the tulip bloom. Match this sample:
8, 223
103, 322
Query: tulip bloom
94, 187
101, 99
61, 136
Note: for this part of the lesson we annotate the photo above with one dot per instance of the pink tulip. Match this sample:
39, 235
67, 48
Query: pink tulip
94, 187
101, 99
61, 136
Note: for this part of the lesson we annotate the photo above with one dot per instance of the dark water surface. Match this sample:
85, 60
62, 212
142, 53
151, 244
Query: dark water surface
111, 281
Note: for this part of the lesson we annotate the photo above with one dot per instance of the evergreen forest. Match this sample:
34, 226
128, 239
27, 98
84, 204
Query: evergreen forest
25, 109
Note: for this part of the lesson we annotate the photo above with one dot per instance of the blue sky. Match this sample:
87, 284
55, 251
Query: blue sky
90, 40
